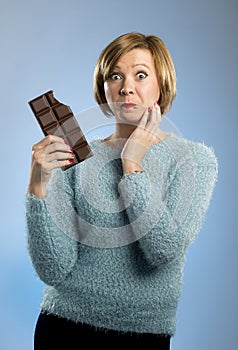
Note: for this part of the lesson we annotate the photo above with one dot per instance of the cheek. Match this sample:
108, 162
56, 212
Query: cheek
154, 92
108, 92
149, 97
150, 94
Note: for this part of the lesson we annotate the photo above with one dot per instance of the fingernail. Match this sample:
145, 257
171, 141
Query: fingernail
149, 109
71, 160
66, 142
157, 103
71, 149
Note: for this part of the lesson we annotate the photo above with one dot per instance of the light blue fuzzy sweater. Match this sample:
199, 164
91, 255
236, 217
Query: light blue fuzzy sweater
111, 249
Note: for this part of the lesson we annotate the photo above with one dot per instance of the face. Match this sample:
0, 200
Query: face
132, 85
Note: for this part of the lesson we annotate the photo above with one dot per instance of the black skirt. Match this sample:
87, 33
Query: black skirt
54, 332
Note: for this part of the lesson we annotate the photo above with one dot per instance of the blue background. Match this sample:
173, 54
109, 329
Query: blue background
54, 45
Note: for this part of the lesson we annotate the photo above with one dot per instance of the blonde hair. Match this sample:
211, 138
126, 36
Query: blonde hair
163, 63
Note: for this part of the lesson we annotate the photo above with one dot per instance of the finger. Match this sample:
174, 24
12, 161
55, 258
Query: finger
58, 164
57, 156
144, 118
155, 116
46, 141
151, 125
58, 147
53, 160
158, 112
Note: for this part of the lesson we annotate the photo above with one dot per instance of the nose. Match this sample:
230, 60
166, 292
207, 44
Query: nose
126, 90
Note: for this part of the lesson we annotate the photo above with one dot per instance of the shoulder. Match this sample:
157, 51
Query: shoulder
201, 153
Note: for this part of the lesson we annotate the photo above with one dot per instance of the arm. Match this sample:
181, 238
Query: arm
53, 252
166, 222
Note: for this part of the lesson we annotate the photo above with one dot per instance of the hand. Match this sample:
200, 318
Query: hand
50, 153
141, 139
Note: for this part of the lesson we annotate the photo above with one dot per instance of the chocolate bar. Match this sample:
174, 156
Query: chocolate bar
55, 118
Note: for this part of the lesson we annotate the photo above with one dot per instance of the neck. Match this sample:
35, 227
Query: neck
123, 131
121, 134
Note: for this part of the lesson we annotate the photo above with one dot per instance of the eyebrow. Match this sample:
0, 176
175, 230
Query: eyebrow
137, 64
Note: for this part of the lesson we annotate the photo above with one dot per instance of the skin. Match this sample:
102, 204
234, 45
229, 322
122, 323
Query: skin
49, 153
131, 92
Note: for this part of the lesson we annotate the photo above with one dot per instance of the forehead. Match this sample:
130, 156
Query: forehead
135, 57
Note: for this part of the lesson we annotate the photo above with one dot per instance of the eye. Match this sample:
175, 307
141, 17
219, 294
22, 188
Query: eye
142, 75
114, 76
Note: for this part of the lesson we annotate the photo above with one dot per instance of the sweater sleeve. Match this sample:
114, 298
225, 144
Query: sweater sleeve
52, 250
166, 221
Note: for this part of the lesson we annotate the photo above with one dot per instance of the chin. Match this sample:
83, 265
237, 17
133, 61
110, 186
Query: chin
129, 118
129, 115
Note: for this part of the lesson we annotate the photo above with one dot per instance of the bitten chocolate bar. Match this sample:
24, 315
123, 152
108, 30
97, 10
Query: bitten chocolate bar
55, 118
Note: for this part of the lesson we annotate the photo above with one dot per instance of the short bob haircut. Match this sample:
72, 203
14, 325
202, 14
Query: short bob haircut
163, 62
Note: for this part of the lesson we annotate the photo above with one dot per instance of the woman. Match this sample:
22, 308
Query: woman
109, 240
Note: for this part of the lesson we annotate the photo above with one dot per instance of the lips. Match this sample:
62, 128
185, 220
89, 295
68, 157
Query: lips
128, 105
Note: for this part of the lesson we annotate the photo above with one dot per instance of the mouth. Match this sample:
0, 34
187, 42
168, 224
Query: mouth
128, 106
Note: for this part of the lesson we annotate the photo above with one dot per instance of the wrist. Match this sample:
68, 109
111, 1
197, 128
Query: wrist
130, 167
38, 190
